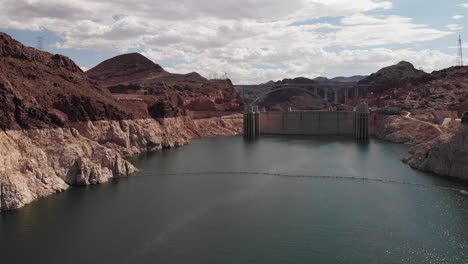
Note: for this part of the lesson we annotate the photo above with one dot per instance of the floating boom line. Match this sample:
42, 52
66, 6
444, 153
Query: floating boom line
355, 178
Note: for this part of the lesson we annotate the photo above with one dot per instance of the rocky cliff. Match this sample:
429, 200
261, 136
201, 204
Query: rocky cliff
446, 155
38, 162
60, 128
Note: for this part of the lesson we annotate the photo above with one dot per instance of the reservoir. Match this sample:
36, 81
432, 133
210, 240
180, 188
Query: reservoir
275, 199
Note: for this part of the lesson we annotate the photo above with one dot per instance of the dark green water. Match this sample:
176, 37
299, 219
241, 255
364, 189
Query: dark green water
160, 217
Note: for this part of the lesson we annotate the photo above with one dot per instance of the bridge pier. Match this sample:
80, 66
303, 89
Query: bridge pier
361, 122
336, 95
346, 95
257, 120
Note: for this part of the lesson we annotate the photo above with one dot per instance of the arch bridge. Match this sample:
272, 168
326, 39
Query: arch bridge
331, 91
292, 87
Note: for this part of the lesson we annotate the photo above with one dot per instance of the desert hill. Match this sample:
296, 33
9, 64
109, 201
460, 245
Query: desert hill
125, 69
136, 80
39, 89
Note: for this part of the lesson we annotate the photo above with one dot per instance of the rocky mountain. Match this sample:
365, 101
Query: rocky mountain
135, 77
412, 89
125, 69
60, 128
39, 89
445, 90
402, 75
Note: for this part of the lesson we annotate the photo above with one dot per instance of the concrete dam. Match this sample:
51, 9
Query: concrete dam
353, 123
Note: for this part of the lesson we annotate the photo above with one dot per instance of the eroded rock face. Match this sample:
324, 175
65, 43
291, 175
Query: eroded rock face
447, 155
38, 162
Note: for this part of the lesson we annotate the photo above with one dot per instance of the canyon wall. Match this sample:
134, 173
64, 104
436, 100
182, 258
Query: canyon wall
38, 162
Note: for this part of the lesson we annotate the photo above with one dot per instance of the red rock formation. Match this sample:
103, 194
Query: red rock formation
39, 89
125, 69
403, 85
139, 78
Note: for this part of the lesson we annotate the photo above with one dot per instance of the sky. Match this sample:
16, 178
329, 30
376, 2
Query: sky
252, 41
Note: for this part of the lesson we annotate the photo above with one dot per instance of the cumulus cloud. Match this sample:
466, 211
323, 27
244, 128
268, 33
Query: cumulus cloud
252, 40
465, 5
454, 27
458, 17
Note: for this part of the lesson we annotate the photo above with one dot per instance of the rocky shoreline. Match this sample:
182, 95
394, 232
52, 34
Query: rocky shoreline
61, 127
446, 155
39, 162
439, 149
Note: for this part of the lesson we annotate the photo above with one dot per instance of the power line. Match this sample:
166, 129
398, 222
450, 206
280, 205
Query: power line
460, 52
39, 41
218, 76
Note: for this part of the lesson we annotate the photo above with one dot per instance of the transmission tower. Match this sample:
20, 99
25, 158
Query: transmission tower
460, 52
39, 41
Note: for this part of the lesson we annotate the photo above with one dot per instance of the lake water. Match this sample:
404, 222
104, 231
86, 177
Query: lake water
270, 200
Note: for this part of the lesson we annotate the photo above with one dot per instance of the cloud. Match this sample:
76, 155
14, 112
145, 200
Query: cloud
454, 27
364, 30
260, 66
465, 5
252, 40
458, 17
